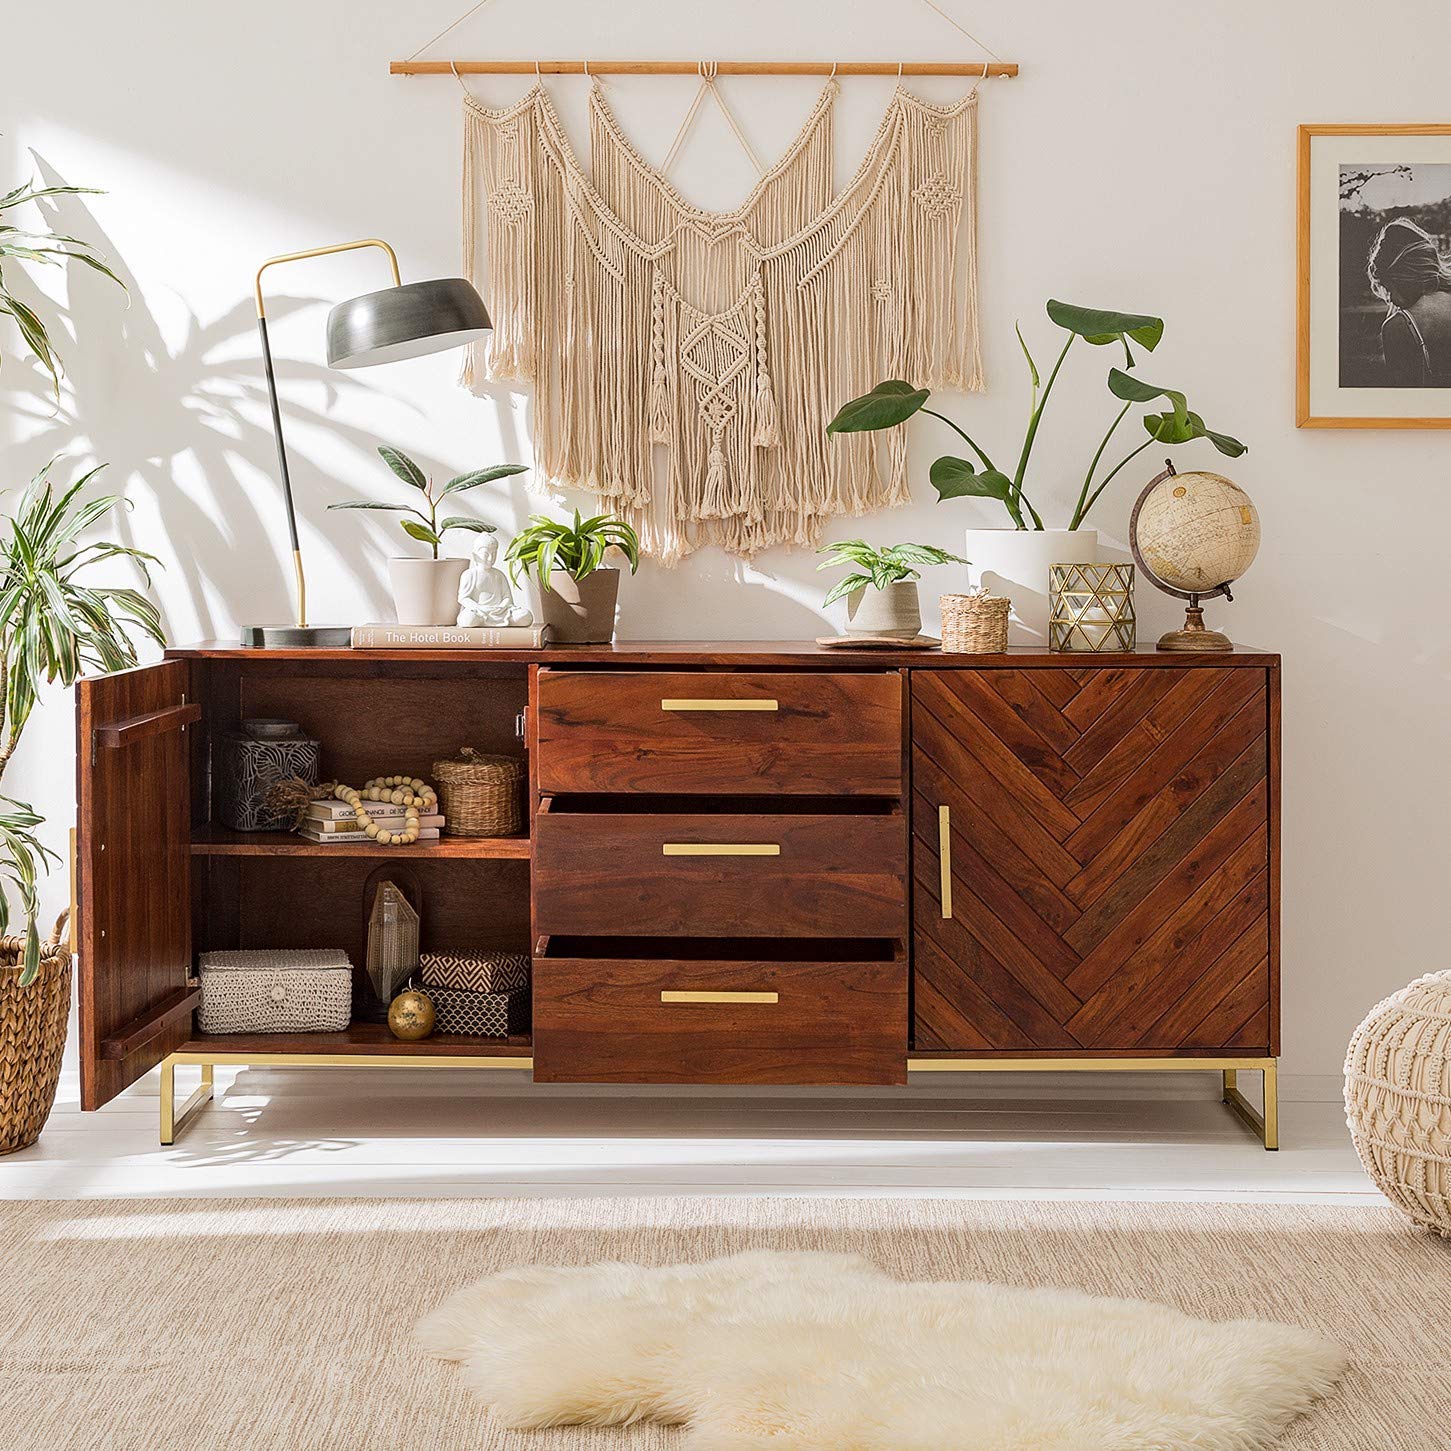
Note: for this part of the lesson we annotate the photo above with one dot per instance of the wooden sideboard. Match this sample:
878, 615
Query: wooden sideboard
747, 862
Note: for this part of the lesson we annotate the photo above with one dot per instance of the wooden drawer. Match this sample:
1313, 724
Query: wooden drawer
633, 1020
705, 732
785, 874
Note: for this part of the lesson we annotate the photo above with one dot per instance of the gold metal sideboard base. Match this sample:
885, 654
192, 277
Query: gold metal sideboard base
1266, 1125
172, 1122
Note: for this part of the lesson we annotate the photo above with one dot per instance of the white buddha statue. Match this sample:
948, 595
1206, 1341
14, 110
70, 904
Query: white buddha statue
484, 594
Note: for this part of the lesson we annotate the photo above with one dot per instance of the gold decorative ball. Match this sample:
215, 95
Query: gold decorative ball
410, 1015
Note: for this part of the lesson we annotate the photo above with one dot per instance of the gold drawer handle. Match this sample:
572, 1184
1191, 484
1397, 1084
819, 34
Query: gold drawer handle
682, 997
944, 857
719, 848
728, 704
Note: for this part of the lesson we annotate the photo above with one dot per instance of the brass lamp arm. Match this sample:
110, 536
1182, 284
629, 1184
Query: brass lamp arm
324, 252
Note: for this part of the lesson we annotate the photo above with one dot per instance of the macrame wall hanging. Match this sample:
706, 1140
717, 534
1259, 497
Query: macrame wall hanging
685, 362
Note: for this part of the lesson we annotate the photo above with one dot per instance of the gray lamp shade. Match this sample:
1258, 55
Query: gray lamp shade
405, 322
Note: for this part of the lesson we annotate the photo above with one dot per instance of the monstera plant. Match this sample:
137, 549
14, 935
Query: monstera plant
895, 401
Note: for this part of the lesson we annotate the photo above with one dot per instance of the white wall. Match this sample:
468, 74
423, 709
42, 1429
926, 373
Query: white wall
1145, 160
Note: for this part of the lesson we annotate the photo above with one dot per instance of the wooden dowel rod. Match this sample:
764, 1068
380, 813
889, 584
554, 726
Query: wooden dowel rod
691, 67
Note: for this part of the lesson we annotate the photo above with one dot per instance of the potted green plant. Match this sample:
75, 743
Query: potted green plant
425, 589
1014, 561
55, 625
577, 592
881, 590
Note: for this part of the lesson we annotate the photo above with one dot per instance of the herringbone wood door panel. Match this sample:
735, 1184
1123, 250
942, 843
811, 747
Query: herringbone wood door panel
1110, 861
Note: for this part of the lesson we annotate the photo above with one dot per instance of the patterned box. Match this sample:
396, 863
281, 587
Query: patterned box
480, 1015
475, 972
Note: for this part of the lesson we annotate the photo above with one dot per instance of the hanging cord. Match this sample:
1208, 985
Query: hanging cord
961, 29
452, 25
708, 72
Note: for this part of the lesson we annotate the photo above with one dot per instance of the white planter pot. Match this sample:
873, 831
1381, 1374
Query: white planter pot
895, 612
425, 591
1014, 562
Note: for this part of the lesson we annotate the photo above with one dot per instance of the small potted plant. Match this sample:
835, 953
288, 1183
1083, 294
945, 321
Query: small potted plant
577, 592
425, 590
881, 589
1015, 560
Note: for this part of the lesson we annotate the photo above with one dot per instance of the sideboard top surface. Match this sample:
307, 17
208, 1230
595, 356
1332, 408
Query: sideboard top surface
801, 654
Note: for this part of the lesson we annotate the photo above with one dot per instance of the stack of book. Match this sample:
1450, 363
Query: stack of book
449, 637
335, 822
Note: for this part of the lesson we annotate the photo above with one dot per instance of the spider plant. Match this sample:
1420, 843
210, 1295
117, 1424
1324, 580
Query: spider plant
878, 568
578, 549
42, 247
55, 626
895, 401
425, 525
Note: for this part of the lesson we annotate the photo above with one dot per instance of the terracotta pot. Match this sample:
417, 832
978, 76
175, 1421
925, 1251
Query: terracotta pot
425, 591
32, 1039
895, 611
581, 611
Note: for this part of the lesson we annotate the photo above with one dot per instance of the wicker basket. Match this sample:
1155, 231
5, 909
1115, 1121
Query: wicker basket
975, 624
32, 1037
481, 795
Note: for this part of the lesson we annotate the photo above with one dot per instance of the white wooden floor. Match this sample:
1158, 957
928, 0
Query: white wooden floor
347, 1132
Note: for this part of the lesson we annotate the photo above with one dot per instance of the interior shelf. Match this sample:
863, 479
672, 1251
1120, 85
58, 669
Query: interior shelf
360, 1039
221, 841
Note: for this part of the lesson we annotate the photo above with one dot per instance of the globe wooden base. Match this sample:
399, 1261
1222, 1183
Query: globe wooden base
1194, 636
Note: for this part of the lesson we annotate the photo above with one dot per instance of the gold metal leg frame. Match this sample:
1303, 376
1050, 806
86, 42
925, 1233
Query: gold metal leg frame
172, 1122
1266, 1125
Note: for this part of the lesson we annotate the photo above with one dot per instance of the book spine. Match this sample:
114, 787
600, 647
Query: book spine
327, 838
446, 637
349, 823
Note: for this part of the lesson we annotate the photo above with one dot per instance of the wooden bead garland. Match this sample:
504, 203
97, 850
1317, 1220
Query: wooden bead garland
415, 796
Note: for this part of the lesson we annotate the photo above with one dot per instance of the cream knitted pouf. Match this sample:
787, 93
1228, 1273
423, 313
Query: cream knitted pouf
1398, 1099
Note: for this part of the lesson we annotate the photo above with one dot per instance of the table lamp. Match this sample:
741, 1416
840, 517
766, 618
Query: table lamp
406, 320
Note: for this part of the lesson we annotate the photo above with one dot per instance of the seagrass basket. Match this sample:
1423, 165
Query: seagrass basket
32, 1037
975, 624
481, 795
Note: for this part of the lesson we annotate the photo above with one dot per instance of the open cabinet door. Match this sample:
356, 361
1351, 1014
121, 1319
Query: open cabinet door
133, 863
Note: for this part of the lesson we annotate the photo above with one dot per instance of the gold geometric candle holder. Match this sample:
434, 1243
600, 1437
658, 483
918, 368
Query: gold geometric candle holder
1091, 608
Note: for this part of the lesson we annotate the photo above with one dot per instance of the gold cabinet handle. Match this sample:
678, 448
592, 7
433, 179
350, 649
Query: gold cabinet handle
727, 704
693, 997
944, 857
719, 848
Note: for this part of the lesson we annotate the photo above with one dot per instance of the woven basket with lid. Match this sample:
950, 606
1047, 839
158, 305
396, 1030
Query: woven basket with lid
32, 1037
481, 795
975, 624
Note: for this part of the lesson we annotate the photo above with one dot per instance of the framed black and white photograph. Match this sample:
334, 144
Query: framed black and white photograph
1374, 295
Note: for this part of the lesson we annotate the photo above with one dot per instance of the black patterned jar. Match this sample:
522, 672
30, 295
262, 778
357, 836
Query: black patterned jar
248, 763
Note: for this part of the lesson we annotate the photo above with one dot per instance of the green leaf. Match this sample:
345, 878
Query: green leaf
370, 504
846, 586
1032, 366
1138, 390
403, 466
924, 554
459, 521
955, 478
422, 532
887, 405
1169, 429
1096, 326
482, 476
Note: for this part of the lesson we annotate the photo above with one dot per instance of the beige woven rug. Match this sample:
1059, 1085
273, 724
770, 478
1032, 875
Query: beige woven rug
264, 1324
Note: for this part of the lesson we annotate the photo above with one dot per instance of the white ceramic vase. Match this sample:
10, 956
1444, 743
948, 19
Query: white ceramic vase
425, 591
1014, 562
895, 612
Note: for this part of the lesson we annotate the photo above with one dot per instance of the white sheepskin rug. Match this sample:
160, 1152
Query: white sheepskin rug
785, 1352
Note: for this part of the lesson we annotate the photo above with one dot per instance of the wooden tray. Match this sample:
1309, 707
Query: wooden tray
878, 642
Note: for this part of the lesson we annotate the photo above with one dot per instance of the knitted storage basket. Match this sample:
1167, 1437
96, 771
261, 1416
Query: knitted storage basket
1398, 1099
32, 1037
481, 795
975, 624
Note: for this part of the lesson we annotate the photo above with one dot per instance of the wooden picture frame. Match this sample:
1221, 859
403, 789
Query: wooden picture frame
1323, 357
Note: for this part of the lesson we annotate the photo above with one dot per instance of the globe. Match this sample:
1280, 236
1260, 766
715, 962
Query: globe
1196, 532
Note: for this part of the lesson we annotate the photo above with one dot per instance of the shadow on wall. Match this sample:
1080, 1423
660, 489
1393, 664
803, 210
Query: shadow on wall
154, 412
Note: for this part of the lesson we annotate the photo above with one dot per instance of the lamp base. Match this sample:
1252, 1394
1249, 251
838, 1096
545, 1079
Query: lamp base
1194, 636
297, 637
